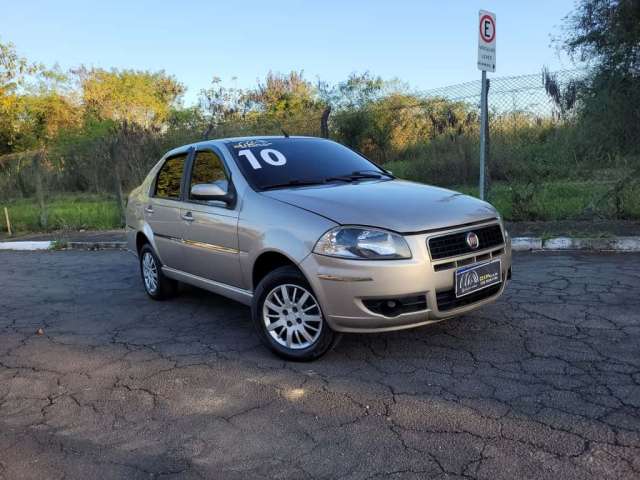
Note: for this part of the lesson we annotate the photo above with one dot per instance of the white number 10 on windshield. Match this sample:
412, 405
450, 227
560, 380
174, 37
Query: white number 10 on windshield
268, 155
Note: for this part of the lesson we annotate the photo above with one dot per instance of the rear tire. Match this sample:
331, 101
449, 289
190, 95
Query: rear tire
155, 283
288, 317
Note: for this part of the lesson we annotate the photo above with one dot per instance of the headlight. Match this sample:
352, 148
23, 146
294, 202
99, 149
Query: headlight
362, 243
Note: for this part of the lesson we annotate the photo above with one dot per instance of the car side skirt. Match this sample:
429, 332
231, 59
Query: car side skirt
234, 293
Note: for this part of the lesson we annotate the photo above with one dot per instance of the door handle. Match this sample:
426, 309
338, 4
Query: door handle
148, 209
187, 216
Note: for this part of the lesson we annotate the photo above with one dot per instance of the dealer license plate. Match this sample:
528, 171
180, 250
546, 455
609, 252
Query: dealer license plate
476, 277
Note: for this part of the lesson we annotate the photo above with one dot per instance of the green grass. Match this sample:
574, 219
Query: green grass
65, 212
558, 200
549, 201
400, 168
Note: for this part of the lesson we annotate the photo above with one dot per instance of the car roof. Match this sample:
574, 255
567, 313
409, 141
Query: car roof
218, 141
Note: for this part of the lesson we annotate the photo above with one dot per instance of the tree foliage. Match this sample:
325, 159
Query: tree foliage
606, 35
102, 129
142, 98
14, 69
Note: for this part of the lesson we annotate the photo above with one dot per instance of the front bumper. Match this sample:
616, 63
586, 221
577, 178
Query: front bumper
345, 287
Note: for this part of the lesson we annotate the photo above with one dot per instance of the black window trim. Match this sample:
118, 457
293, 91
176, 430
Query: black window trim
189, 170
189, 154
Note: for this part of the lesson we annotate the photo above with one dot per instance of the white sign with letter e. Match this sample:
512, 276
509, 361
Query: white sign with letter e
487, 41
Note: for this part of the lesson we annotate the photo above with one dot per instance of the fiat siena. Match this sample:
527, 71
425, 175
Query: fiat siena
317, 239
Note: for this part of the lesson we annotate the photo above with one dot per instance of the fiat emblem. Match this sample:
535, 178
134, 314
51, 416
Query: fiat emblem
472, 240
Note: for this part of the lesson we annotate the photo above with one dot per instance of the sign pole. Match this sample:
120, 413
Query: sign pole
483, 131
486, 62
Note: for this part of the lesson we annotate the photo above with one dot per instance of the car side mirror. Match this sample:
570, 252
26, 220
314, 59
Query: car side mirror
212, 191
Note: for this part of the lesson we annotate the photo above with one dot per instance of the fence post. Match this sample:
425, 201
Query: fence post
6, 216
117, 181
483, 130
38, 160
324, 122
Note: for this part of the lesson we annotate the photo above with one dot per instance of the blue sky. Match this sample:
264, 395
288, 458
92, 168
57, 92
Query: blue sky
425, 43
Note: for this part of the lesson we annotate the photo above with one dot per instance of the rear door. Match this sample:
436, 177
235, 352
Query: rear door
211, 227
163, 211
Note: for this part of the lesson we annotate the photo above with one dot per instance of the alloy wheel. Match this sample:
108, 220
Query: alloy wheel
150, 272
292, 316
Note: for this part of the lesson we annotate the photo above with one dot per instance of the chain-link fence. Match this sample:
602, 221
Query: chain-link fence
537, 165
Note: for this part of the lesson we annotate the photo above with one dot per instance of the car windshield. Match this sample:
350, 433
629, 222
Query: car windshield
290, 162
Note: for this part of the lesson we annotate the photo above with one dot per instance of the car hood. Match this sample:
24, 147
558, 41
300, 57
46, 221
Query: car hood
397, 205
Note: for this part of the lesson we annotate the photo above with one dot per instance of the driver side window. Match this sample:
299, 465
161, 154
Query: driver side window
208, 168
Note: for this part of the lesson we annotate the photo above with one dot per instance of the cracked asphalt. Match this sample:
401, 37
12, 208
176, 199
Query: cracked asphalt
545, 383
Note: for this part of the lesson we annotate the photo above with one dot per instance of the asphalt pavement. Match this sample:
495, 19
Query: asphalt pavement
545, 383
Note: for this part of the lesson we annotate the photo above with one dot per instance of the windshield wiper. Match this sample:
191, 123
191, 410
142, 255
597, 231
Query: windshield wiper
381, 172
293, 183
360, 175
352, 177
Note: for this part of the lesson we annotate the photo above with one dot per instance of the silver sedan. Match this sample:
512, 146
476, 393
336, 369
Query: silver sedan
317, 239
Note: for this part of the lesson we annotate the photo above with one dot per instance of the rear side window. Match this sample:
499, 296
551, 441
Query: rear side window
170, 177
208, 168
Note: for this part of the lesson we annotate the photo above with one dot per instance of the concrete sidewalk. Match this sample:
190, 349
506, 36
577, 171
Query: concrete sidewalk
71, 236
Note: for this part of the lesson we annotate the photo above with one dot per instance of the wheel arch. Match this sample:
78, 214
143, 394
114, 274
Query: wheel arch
267, 262
141, 239
143, 235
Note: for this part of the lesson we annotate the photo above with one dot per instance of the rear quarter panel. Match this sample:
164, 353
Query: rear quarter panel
135, 222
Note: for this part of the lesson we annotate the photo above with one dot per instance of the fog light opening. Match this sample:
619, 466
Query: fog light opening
392, 307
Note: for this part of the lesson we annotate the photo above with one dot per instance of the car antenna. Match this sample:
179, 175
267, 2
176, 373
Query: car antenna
286, 135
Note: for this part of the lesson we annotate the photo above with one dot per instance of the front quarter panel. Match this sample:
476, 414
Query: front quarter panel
269, 225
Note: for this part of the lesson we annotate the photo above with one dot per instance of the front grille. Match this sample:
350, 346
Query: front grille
447, 299
455, 244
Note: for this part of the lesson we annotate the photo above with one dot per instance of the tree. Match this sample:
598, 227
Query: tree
135, 103
14, 70
606, 35
351, 101
46, 110
359, 91
143, 98
221, 105
398, 121
284, 102
284, 95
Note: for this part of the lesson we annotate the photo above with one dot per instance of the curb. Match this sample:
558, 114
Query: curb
612, 244
61, 245
94, 245
518, 244
30, 246
523, 244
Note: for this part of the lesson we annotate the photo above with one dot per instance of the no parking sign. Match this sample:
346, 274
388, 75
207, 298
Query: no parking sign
487, 41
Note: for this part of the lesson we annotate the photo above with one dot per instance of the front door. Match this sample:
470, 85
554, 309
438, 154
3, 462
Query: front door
211, 228
162, 213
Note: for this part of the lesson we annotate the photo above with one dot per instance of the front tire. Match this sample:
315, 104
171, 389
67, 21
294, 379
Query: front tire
288, 317
155, 283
